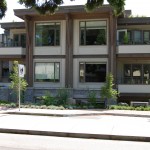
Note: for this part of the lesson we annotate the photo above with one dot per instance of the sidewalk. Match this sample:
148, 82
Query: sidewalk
84, 112
100, 124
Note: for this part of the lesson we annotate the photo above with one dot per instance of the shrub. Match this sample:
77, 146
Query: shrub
48, 99
62, 95
92, 97
4, 102
43, 107
141, 108
13, 105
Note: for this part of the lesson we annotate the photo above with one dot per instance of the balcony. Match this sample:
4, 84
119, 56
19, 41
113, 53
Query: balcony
136, 88
134, 85
12, 48
133, 49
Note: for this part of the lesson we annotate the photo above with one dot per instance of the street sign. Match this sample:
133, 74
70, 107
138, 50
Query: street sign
21, 70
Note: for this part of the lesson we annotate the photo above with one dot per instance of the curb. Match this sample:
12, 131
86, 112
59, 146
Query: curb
77, 135
76, 115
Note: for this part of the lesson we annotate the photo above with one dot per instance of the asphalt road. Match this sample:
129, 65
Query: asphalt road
32, 142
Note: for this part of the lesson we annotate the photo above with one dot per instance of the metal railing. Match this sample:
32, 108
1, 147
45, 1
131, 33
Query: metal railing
134, 43
13, 44
133, 80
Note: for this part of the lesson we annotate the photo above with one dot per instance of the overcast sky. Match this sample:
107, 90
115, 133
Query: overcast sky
138, 7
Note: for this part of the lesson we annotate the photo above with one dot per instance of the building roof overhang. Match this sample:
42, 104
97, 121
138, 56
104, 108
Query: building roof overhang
13, 25
134, 21
21, 13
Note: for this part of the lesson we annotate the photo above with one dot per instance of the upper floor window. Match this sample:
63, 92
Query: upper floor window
47, 72
47, 34
18, 40
125, 36
93, 33
92, 72
137, 37
146, 37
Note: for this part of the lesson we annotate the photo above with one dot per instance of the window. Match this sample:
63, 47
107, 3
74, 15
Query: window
93, 33
47, 72
19, 40
137, 37
137, 73
92, 72
47, 34
133, 36
146, 37
120, 36
5, 69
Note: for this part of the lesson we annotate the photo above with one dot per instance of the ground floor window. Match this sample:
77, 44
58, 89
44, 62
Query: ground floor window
47, 72
137, 73
5, 69
92, 72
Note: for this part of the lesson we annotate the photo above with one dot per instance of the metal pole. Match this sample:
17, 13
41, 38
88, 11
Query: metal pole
19, 93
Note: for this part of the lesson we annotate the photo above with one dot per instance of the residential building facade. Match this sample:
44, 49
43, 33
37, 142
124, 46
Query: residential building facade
76, 50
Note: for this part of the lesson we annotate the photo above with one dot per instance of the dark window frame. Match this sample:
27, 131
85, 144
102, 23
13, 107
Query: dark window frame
136, 79
144, 41
85, 32
83, 80
55, 29
47, 80
20, 41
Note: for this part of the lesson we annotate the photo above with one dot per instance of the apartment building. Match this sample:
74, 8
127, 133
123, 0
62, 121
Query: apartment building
76, 49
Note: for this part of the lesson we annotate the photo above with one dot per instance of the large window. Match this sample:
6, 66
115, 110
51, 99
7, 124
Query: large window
47, 34
47, 72
137, 73
93, 33
92, 72
133, 36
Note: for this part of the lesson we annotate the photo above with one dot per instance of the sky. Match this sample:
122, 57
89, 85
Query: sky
138, 7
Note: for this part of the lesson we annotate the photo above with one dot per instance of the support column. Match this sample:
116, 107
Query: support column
0, 70
29, 50
112, 45
69, 52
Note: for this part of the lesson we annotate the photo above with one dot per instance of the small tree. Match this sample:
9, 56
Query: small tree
107, 92
14, 76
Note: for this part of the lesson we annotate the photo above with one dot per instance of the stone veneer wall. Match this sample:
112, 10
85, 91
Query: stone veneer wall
4, 93
31, 93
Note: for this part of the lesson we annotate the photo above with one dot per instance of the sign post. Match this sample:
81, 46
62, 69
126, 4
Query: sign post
21, 74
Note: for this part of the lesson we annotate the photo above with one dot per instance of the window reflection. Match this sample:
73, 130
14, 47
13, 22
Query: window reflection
93, 33
47, 34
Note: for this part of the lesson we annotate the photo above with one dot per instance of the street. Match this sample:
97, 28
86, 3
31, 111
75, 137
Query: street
32, 142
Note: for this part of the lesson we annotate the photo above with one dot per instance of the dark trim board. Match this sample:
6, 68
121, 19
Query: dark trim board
140, 55
128, 97
12, 56
49, 56
90, 56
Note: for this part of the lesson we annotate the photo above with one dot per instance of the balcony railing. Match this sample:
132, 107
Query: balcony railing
133, 43
133, 80
13, 44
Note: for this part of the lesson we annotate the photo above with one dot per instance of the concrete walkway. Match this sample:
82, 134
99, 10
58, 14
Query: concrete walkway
100, 124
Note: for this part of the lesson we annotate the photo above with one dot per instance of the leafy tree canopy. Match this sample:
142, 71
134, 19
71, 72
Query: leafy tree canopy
3, 8
50, 6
